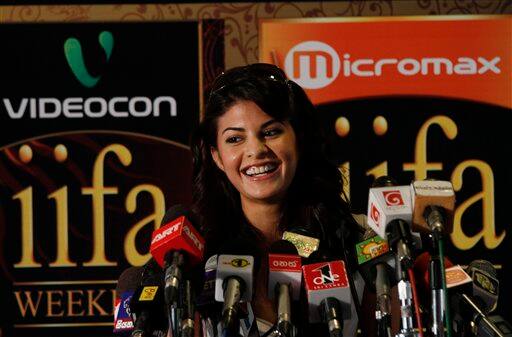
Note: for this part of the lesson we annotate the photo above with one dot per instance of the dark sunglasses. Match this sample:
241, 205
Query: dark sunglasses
267, 71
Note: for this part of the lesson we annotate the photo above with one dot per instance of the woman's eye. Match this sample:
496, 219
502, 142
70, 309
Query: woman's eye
233, 139
272, 132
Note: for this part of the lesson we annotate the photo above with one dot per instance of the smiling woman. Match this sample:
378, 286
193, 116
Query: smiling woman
260, 170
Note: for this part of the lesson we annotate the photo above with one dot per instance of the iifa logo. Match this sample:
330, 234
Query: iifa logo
315, 65
75, 57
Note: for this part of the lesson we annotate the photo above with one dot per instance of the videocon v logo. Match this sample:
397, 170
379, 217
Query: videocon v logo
75, 57
312, 64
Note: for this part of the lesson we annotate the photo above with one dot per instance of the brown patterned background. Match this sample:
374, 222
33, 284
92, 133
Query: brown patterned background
242, 18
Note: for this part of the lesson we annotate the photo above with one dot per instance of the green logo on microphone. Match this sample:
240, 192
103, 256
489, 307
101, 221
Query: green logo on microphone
75, 58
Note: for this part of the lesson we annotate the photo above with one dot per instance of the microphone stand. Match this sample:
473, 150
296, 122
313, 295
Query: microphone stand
383, 310
399, 239
436, 289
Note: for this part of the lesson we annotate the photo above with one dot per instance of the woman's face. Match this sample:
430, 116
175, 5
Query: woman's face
258, 153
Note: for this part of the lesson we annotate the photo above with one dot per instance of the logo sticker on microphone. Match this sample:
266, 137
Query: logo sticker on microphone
486, 282
393, 198
375, 214
239, 263
148, 293
324, 275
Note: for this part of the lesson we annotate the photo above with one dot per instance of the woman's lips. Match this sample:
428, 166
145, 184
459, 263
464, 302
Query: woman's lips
264, 176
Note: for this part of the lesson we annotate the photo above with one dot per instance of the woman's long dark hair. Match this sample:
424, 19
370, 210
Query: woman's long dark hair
314, 200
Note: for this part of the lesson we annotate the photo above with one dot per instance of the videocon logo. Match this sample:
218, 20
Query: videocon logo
75, 58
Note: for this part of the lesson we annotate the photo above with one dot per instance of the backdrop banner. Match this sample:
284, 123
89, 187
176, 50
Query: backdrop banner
96, 119
414, 97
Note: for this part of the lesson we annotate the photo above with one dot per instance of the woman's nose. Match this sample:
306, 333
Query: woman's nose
256, 147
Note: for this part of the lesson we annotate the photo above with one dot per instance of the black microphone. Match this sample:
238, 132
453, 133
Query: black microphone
147, 305
485, 283
470, 304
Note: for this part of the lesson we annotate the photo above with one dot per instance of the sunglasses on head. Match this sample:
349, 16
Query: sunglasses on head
261, 70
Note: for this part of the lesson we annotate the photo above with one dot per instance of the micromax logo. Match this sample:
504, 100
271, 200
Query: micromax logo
312, 64
315, 64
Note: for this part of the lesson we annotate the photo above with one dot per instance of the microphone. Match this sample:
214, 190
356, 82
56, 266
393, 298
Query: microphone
174, 242
187, 321
284, 282
377, 266
174, 245
128, 281
147, 303
471, 316
328, 293
207, 294
234, 280
433, 205
389, 215
485, 283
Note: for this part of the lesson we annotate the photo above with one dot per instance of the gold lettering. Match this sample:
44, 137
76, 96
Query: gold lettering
379, 170
61, 204
27, 229
93, 302
51, 303
130, 250
97, 191
488, 232
29, 302
74, 302
420, 165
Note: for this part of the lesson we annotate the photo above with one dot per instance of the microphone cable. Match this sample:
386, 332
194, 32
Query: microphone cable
415, 298
447, 314
351, 282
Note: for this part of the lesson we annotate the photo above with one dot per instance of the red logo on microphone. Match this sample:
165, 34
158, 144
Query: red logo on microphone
393, 198
284, 262
375, 214
325, 275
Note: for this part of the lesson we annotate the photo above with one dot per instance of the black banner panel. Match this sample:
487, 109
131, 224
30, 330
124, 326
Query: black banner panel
95, 119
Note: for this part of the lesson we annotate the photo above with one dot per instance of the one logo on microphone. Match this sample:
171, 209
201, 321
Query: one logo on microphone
393, 198
324, 275
375, 214
312, 64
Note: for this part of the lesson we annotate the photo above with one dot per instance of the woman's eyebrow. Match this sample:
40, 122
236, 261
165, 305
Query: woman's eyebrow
270, 122
233, 129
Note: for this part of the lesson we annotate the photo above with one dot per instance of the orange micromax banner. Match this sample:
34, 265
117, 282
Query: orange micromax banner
463, 57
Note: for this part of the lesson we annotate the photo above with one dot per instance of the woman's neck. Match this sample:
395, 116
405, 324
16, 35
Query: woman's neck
265, 217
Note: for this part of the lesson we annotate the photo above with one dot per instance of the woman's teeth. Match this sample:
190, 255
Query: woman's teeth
255, 170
